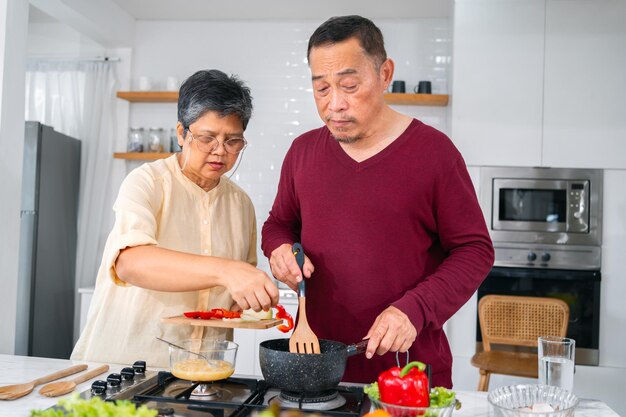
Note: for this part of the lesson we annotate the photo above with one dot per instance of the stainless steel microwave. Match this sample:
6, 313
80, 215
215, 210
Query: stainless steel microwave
559, 206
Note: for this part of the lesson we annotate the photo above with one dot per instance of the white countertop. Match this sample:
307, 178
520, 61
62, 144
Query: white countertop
20, 369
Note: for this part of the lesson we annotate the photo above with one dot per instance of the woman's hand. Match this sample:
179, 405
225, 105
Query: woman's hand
250, 287
285, 268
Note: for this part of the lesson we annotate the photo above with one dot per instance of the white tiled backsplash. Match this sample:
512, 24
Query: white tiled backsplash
271, 58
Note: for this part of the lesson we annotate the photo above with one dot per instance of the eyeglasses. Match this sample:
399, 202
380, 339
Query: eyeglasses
210, 143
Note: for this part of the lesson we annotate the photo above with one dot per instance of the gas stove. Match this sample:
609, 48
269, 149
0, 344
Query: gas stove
232, 397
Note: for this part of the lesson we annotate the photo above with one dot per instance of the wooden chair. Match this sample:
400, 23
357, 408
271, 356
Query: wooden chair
515, 321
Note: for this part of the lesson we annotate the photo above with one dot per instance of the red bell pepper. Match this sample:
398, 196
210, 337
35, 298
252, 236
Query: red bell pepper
216, 313
407, 386
282, 314
198, 314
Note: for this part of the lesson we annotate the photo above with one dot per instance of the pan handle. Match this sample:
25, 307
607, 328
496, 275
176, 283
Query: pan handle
357, 347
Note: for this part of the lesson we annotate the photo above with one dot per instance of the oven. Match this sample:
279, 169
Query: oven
580, 289
546, 228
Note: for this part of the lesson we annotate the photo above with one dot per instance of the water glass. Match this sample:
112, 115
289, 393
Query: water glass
556, 361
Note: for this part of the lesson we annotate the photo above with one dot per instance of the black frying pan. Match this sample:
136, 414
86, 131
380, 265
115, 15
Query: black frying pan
305, 372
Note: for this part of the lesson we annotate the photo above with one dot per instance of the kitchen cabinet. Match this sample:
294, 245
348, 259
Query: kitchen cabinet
584, 112
540, 83
85, 296
498, 81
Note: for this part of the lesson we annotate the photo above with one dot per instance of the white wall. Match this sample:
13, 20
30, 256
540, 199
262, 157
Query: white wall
101, 20
59, 40
13, 24
274, 66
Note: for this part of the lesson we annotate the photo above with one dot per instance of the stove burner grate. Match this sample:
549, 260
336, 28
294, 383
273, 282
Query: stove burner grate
323, 401
315, 397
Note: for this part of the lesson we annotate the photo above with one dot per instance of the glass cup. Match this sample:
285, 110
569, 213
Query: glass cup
556, 361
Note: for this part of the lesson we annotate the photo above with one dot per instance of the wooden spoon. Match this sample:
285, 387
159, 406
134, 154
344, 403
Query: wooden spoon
65, 387
302, 340
13, 392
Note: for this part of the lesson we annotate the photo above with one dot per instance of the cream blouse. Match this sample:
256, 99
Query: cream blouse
158, 205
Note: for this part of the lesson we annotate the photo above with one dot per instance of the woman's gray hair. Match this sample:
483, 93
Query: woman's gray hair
213, 90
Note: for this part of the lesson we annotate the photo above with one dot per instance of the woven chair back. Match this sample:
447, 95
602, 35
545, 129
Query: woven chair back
519, 321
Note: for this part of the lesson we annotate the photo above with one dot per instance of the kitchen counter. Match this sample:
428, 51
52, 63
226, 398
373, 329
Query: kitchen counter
20, 369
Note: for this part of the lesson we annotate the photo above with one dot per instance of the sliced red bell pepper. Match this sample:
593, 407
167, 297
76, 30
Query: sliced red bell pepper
215, 313
282, 314
406, 386
232, 314
204, 315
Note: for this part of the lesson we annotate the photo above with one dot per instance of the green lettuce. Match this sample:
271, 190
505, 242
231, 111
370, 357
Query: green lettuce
441, 397
372, 391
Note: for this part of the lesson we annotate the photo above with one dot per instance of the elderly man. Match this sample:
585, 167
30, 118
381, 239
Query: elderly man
384, 208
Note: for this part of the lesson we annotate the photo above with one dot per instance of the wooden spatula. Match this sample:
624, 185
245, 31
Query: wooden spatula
55, 389
302, 340
13, 392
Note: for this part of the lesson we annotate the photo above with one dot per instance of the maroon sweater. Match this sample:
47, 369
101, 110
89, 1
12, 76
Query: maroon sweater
401, 228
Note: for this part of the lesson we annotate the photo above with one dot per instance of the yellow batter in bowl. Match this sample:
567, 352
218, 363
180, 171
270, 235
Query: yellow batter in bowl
200, 370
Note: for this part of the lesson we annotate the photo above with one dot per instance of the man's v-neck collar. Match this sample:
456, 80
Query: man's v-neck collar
354, 165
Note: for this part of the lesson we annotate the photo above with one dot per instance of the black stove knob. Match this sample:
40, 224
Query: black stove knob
114, 379
165, 412
139, 367
545, 257
128, 373
99, 387
531, 256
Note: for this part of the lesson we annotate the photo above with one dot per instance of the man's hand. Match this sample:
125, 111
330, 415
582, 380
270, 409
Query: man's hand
285, 268
392, 331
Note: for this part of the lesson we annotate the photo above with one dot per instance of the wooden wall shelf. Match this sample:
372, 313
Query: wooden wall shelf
149, 96
141, 156
417, 99
391, 98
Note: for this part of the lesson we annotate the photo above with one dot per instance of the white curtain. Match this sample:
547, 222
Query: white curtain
77, 98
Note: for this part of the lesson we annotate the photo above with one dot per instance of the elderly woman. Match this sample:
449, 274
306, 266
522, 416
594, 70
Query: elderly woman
184, 236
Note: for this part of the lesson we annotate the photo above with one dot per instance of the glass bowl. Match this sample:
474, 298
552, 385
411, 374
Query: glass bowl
404, 411
218, 361
509, 401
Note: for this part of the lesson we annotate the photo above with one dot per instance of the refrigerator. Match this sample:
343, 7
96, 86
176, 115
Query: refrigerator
47, 246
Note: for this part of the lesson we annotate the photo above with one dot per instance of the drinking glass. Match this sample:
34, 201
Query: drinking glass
556, 361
